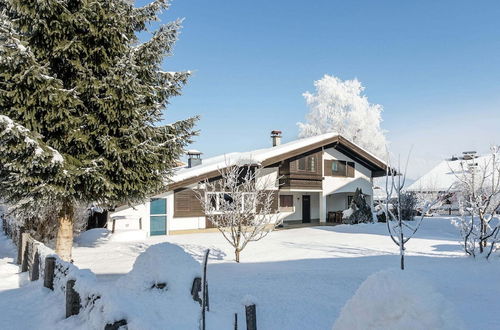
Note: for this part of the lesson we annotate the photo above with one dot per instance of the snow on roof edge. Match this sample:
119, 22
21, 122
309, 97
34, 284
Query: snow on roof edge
255, 156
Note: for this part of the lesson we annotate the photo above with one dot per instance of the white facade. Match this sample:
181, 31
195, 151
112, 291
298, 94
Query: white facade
333, 196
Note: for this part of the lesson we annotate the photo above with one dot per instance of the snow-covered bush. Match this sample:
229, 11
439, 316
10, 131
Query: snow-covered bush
359, 211
407, 205
394, 300
41, 222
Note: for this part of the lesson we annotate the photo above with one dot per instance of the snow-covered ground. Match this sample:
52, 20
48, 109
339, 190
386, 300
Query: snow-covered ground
24, 305
299, 279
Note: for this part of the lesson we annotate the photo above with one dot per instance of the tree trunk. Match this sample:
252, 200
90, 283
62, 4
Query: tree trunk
64, 239
237, 255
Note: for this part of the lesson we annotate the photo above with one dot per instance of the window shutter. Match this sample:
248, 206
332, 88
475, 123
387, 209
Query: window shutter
186, 204
328, 167
286, 200
350, 169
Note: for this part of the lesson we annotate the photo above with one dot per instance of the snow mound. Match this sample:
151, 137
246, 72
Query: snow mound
92, 237
163, 263
161, 276
128, 235
395, 299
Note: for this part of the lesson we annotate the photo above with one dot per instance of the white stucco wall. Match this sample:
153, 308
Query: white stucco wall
296, 214
337, 202
268, 178
127, 217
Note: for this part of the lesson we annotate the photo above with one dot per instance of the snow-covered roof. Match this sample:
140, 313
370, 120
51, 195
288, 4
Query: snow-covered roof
251, 157
444, 175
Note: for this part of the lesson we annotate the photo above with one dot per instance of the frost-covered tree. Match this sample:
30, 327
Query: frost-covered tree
478, 194
242, 204
80, 103
340, 106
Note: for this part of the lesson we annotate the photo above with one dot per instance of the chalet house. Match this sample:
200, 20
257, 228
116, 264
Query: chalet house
317, 177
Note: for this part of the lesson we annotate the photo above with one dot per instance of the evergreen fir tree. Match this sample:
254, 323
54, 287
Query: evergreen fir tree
80, 103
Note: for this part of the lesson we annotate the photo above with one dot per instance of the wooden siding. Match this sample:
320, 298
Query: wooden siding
300, 183
186, 204
347, 169
275, 205
291, 176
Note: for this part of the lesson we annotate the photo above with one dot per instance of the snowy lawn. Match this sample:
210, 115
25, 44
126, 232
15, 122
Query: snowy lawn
24, 305
301, 278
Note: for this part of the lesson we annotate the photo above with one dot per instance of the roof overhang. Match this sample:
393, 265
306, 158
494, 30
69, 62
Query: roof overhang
351, 150
343, 145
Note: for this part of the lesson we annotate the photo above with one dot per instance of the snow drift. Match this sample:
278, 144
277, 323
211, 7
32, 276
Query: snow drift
395, 299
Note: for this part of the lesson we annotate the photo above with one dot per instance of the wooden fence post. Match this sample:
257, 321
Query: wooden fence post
195, 289
35, 268
113, 228
204, 293
20, 245
26, 255
48, 279
72, 299
251, 315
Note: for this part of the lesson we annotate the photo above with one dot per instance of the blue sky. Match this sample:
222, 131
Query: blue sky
433, 65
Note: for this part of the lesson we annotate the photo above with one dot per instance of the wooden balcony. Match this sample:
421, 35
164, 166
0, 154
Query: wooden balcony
288, 182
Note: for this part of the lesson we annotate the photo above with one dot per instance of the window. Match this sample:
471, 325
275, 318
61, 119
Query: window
307, 164
339, 168
286, 203
213, 200
218, 199
286, 200
228, 198
343, 168
158, 206
302, 164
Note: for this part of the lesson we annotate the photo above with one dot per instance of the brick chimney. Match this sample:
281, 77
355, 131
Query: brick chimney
276, 137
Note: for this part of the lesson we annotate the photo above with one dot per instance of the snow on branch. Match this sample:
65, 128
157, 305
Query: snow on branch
478, 194
241, 203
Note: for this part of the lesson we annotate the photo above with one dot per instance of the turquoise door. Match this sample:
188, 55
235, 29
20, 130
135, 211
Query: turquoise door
158, 216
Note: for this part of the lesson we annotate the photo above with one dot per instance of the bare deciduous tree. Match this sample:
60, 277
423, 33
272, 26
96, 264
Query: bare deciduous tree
399, 230
478, 193
241, 203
